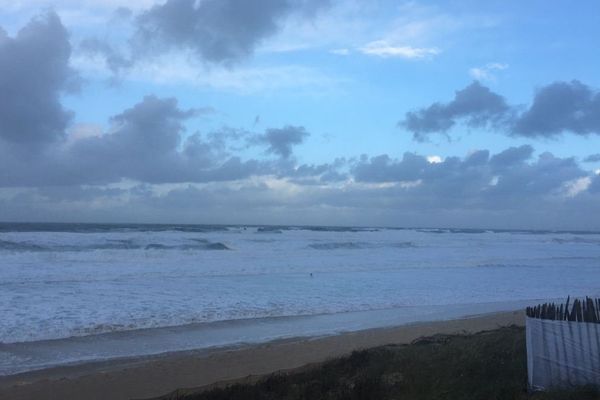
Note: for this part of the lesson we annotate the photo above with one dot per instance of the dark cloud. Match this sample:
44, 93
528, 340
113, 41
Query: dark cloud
314, 174
474, 191
477, 158
476, 105
148, 143
221, 31
282, 140
592, 158
142, 145
561, 107
501, 181
34, 72
216, 31
384, 169
512, 156
122, 13
595, 185
529, 182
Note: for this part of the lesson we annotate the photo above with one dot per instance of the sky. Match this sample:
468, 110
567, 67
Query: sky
380, 113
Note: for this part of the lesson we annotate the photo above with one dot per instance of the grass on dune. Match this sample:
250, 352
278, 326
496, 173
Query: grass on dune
488, 365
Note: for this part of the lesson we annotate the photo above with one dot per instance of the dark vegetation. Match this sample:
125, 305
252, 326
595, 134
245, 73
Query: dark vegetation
485, 366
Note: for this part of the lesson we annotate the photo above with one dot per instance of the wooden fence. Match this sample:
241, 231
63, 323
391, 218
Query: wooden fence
563, 344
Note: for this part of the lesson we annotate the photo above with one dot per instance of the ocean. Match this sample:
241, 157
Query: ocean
78, 292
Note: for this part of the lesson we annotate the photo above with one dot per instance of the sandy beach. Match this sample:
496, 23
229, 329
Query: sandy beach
142, 378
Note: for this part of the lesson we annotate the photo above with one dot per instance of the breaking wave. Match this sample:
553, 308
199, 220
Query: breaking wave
576, 239
26, 246
358, 245
19, 246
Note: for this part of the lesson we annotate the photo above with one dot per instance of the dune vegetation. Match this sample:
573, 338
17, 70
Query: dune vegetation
488, 365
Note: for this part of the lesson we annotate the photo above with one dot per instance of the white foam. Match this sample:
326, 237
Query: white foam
80, 286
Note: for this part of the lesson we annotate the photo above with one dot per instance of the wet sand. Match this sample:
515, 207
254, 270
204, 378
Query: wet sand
142, 378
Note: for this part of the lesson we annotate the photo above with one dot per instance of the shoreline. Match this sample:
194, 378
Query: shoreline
23, 357
153, 376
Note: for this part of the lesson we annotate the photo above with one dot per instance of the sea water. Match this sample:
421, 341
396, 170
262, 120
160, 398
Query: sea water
74, 292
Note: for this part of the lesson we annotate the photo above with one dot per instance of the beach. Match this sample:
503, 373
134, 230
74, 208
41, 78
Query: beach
148, 377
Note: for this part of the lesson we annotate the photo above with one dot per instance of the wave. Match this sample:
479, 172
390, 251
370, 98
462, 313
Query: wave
336, 229
492, 265
104, 228
20, 246
456, 230
198, 244
341, 245
358, 245
281, 229
575, 258
433, 230
269, 229
576, 239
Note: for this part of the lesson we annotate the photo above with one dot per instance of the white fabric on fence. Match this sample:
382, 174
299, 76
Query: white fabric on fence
562, 353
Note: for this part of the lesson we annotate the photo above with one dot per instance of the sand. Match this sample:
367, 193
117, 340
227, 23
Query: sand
149, 377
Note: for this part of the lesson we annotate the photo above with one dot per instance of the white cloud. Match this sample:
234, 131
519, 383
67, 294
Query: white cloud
381, 48
486, 73
18, 5
340, 52
576, 186
343, 25
434, 159
177, 69
407, 30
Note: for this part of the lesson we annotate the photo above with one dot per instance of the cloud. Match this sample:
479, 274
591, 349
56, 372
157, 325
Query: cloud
182, 69
561, 107
577, 186
434, 159
487, 72
142, 145
381, 48
557, 108
149, 165
146, 143
114, 60
592, 158
594, 186
512, 156
313, 174
219, 31
382, 168
505, 181
122, 13
509, 189
34, 73
476, 105
281, 141
340, 52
